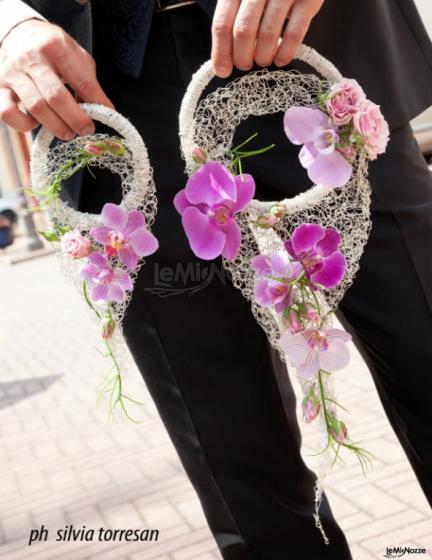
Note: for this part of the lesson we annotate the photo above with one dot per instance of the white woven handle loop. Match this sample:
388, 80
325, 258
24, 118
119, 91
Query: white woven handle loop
142, 174
187, 121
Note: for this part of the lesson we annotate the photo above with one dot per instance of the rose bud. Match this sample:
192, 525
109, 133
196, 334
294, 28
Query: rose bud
75, 245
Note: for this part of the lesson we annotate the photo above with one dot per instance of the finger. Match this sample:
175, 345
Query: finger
31, 98
11, 115
60, 100
222, 36
270, 31
78, 70
245, 32
299, 20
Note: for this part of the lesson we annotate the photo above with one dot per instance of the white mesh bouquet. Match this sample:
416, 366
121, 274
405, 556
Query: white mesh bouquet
102, 253
295, 258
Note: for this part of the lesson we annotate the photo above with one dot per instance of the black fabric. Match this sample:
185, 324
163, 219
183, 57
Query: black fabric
223, 394
382, 43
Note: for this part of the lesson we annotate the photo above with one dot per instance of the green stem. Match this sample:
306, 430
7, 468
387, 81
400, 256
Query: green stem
87, 300
245, 142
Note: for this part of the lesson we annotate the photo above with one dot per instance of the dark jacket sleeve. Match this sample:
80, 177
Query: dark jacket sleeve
74, 17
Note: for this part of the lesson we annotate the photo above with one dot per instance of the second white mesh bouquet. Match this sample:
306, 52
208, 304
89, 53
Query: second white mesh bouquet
294, 258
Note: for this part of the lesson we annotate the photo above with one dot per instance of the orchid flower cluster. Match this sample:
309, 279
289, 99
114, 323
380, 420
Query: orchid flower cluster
110, 254
213, 196
289, 282
345, 125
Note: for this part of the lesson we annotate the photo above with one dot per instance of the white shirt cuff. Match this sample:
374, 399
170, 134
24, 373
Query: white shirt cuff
13, 12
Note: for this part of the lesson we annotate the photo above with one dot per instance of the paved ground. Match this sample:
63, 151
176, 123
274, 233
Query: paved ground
62, 463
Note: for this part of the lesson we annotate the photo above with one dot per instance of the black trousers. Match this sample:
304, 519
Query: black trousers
222, 392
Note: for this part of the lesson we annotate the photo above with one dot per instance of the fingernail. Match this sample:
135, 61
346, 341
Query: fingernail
223, 71
244, 68
69, 135
88, 131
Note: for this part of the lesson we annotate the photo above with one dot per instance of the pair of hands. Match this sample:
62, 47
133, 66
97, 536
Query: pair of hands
38, 58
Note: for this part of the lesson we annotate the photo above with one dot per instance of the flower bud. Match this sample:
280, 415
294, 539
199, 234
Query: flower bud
338, 430
108, 326
292, 322
95, 148
278, 210
266, 221
199, 155
310, 407
312, 314
115, 147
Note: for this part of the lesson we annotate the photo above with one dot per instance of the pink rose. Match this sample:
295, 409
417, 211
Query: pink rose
370, 123
75, 245
345, 99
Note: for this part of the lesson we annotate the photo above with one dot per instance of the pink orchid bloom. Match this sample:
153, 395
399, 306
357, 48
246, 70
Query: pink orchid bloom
312, 350
208, 205
313, 128
106, 283
124, 235
316, 248
272, 287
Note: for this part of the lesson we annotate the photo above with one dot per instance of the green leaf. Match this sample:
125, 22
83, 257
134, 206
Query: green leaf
50, 236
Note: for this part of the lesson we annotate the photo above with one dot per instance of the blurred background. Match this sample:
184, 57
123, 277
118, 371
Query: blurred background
62, 462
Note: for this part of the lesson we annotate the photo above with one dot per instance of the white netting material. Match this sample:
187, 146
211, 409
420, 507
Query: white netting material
134, 170
210, 122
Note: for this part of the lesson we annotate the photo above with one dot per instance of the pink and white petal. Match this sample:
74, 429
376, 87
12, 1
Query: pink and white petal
128, 257
116, 292
143, 242
311, 366
98, 259
330, 170
295, 346
211, 184
100, 234
290, 249
114, 216
330, 243
337, 334
232, 241
337, 356
206, 241
280, 264
100, 293
331, 271
305, 237
123, 278
181, 202
261, 265
261, 292
300, 123
308, 154
89, 271
135, 221
245, 191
